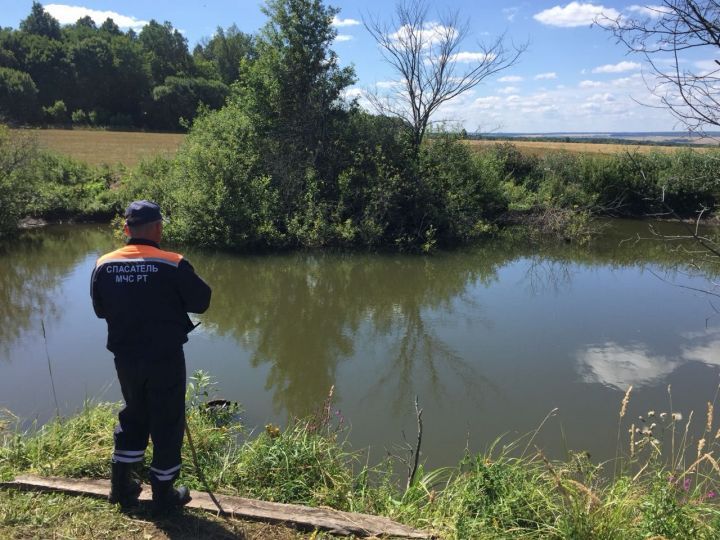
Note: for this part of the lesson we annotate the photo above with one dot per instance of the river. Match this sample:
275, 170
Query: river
490, 338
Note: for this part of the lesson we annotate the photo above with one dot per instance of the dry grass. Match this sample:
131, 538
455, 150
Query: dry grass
128, 148
539, 148
110, 147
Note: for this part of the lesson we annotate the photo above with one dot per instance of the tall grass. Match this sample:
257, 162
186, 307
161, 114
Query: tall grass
664, 483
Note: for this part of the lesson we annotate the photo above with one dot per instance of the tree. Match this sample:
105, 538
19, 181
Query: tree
426, 55
292, 90
18, 95
166, 49
226, 49
663, 36
110, 27
40, 22
180, 97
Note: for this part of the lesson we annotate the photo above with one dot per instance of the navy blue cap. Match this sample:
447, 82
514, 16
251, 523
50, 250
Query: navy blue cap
142, 212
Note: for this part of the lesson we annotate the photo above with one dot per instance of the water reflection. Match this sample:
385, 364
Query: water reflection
620, 366
302, 315
486, 336
31, 276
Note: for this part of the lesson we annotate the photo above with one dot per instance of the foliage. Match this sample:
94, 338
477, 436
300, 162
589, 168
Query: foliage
224, 52
177, 100
41, 23
18, 96
118, 78
56, 113
16, 178
215, 191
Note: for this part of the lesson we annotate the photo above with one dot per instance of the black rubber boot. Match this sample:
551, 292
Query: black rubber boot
167, 497
123, 488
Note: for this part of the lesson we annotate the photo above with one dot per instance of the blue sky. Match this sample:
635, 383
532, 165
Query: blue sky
571, 78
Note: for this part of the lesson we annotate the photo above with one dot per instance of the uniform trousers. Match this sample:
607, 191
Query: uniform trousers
153, 386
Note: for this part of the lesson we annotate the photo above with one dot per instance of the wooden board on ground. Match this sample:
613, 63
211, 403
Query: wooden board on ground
301, 517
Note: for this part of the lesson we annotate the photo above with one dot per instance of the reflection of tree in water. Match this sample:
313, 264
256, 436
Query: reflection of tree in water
301, 314
31, 272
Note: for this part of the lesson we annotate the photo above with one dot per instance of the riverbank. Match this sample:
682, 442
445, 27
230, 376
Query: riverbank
661, 484
444, 196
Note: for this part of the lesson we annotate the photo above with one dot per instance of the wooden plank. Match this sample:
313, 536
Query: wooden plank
302, 517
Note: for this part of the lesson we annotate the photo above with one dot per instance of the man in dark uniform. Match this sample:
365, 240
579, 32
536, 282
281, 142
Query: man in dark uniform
145, 294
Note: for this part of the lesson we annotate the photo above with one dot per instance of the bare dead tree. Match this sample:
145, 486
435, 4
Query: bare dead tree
426, 55
661, 36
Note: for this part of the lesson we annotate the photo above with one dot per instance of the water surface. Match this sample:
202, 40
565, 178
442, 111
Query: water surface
490, 338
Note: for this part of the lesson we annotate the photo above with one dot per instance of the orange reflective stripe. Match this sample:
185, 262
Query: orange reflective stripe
140, 252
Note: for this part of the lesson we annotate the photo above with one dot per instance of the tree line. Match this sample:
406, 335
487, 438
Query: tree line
85, 74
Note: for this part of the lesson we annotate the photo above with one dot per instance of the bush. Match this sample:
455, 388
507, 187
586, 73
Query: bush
18, 154
56, 113
66, 188
215, 192
80, 117
18, 96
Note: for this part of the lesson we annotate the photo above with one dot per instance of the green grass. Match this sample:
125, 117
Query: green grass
662, 484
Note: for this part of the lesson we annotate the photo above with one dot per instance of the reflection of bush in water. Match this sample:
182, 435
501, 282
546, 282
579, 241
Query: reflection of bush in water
277, 305
32, 270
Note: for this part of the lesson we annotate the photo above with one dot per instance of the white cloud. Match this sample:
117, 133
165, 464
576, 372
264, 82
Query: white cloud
486, 102
344, 37
429, 35
574, 14
339, 23
353, 92
620, 67
467, 57
624, 82
548, 75
621, 366
70, 14
707, 66
510, 79
605, 97
589, 84
388, 84
509, 90
649, 10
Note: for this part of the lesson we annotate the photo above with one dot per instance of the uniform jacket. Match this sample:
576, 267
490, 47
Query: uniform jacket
145, 293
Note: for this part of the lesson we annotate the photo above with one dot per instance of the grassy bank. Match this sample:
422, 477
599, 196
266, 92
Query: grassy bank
663, 484
376, 195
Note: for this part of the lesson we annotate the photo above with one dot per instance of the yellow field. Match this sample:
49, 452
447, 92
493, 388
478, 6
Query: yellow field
542, 147
113, 147
110, 147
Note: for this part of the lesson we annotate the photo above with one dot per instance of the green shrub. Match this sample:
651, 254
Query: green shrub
80, 117
216, 192
56, 113
18, 154
66, 188
18, 96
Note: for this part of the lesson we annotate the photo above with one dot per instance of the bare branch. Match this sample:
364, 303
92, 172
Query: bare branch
692, 96
427, 56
